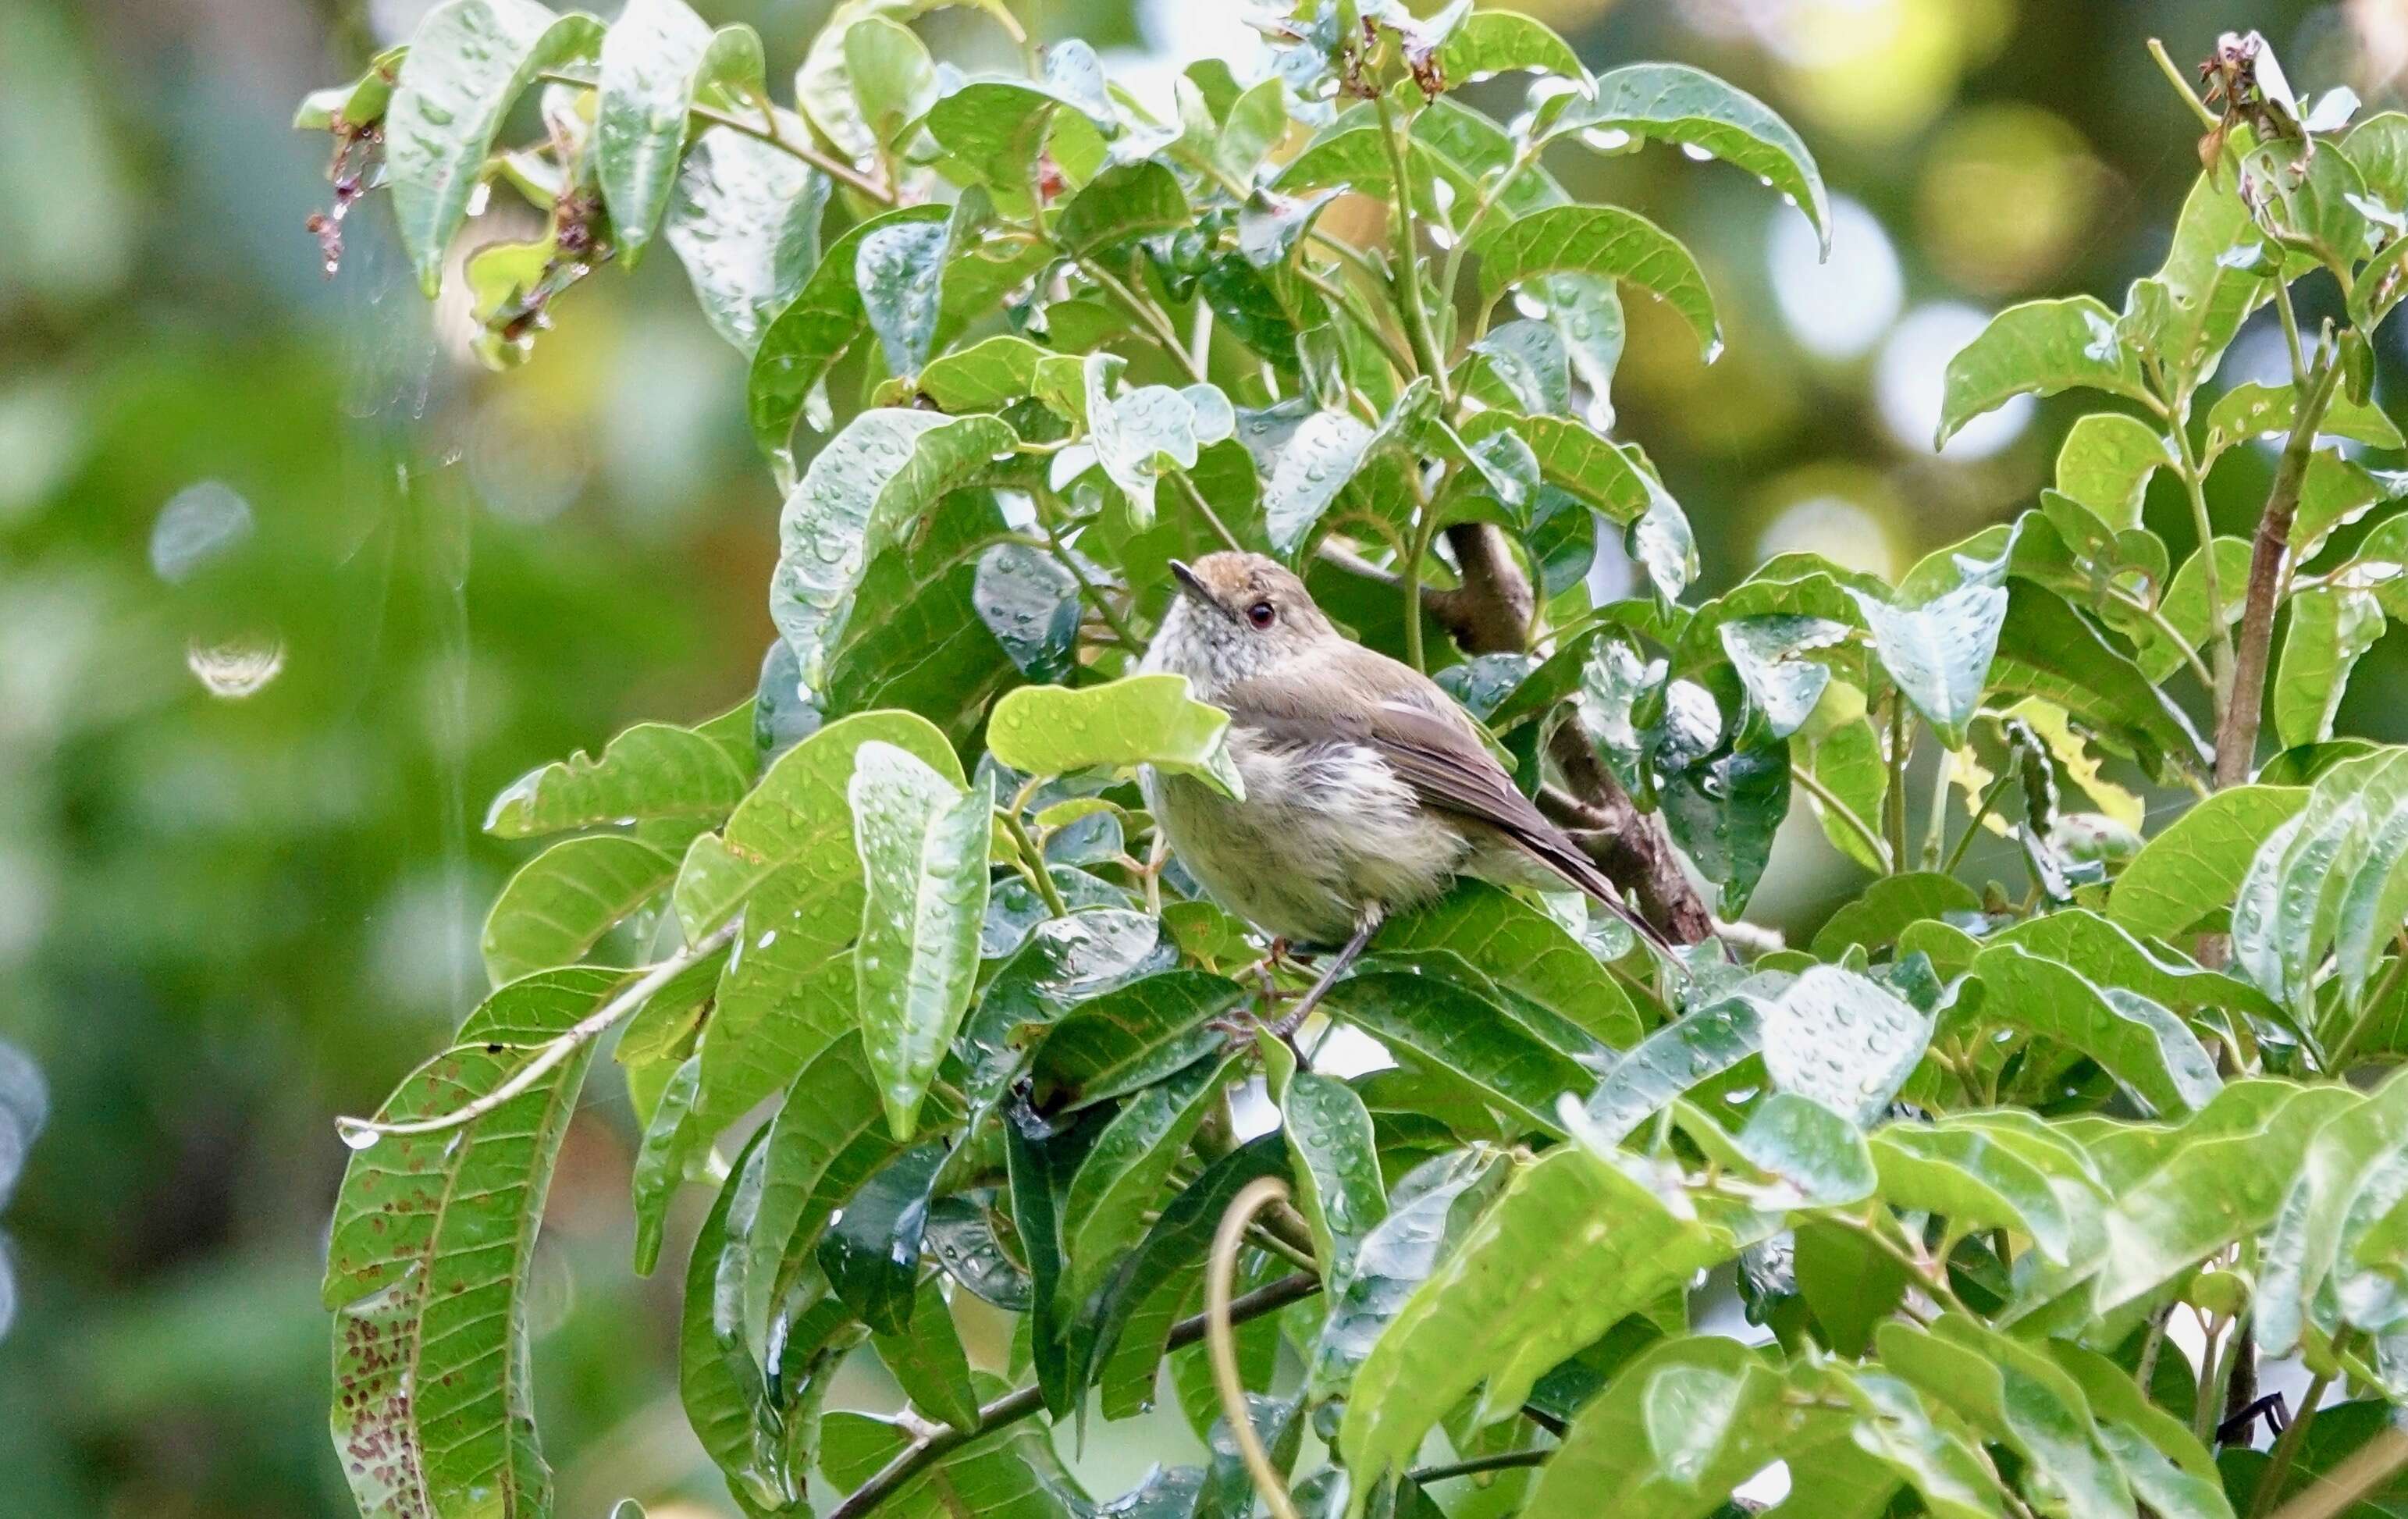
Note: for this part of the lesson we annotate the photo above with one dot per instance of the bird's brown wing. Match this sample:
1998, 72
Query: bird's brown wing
1403, 716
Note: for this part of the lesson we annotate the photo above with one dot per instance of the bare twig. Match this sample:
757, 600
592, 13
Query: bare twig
362, 1132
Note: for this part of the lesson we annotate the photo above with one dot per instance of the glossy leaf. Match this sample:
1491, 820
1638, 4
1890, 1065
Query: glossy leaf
1337, 1168
1607, 242
744, 220
650, 58
428, 1262
2038, 348
2330, 631
2195, 865
558, 905
2145, 1047
468, 60
1454, 1030
922, 843
1141, 720
2105, 464
825, 318
1843, 1040
1104, 1212
1675, 102
2335, 875
1134, 1034
1523, 950
1940, 652
652, 770
1571, 1246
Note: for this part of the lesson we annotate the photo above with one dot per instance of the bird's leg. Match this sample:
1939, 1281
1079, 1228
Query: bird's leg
1364, 928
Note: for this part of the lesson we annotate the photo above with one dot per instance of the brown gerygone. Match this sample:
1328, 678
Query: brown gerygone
1368, 789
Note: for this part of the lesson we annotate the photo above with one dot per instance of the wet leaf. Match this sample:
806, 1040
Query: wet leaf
1604, 241
744, 220
2330, 631
468, 60
1454, 1030
2194, 867
922, 843
652, 770
558, 905
1134, 1034
428, 1262
825, 318
1675, 102
2142, 1045
1140, 720
1104, 1211
1843, 1040
872, 1252
1571, 1246
2038, 348
652, 59
1338, 1167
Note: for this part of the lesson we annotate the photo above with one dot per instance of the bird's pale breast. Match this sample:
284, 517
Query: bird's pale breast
1325, 829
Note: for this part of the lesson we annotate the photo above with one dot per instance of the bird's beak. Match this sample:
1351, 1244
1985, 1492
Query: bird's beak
1193, 584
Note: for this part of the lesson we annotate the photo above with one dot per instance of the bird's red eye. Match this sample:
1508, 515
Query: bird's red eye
1262, 614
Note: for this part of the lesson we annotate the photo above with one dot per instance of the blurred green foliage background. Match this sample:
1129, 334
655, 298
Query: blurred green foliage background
288, 589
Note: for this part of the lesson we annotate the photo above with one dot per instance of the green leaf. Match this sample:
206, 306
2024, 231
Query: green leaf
2136, 1041
1139, 720
2016, 1394
1012, 1474
1395, 1258
1523, 950
1104, 1212
1694, 1047
985, 377
929, 650
2105, 953
358, 103
1675, 102
720, 1383
2347, 1158
1888, 906
2184, 605
2254, 410
1490, 42
1318, 460
2336, 875
824, 86
432, 1248
1125, 201
867, 490
1967, 1175
922, 843
651, 56
1062, 965
1940, 652
1338, 1168
2046, 650
812, 331
1604, 241
1574, 458
827, 1138
928, 1361
2330, 629
2211, 281
467, 62
872, 1252
2038, 348
899, 272
1677, 1430
894, 80
993, 133
744, 220
1571, 1246
1452, 1030
558, 905
652, 770
1843, 1040
2195, 865
1133, 1036
2105, 464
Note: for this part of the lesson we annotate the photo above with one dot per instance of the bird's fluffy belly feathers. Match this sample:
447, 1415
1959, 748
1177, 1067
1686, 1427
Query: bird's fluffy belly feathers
1325, 829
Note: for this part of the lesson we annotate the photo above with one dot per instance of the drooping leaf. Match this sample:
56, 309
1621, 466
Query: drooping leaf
1337, 1168
1140, 720
2330, 629
872, 1252
922, 843
2015, 1394
744, 219
1940, 652
1395, 1257
2145, 1047
1604, 241
428, 1263
1843, 1040
1675, 102
1523, 950
1104, 1211
927, 1360
826, 317
2038, 348
1132, 1035
651, 58
2335, 876
1490, 42
1454, 1030
2046, 650
467, 62
558, 905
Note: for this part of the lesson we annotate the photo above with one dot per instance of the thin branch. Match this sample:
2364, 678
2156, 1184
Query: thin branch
2236, 735
2194, 481
1504, 1461
1408, 272
2369, 1466
2286, 1446
1220, 1275
362, 1132
836, 169
1033, 862
1017, 1404
1156, 320
2173, 73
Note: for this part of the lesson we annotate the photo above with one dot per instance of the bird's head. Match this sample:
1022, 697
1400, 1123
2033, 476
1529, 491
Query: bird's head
1234, 616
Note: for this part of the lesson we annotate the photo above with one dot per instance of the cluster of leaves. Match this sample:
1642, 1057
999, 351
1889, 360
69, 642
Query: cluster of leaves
1968, 1149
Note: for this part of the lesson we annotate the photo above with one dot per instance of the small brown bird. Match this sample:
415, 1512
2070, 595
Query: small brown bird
1368, 789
